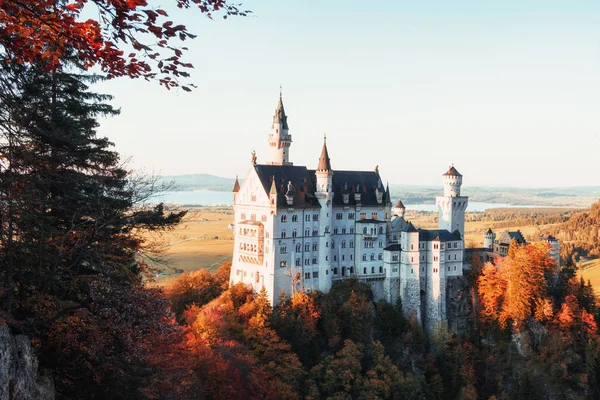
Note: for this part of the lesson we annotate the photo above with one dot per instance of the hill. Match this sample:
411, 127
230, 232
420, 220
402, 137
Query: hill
579, 234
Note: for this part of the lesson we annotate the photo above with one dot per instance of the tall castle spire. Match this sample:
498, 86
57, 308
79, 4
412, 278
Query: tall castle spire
324, 161
279, 139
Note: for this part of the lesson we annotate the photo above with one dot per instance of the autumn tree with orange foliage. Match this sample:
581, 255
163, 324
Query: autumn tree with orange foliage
514, 289
129, 37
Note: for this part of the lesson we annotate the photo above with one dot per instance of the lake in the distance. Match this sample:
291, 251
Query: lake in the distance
211, 198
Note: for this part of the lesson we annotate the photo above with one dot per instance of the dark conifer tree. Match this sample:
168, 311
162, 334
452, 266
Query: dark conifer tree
71, 243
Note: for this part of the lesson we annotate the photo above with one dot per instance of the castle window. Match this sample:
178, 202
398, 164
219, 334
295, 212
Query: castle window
335, 271
372, 257
294, 233
297, 262
314, 260
412, 259
448, 257
257, 277
411, 246
343, 244
380, 256
372, 270
343, 271
243, 216
363, 215
351, 257
381, 270
298, 248
283, 250
350, 215
380, 244
315, 246
263, 218
422, 258
374, 216
294, 218
395, 257
351, 230
307, 232
307, 217
381, 230
307, 247
365, 270
315, 217
343, 231
435, 258
335, 231
411, 270
326, 272
435, 246
306, 261
253, 197
351, 270
455, 267
343, 257
364, 257
442, 245
448, 269
326, 244
283, 234
339, 216
326, 258
352, 244
284, 218
334, 258
455, 244
455, 256
315, 233
333, 244
365, 230
283, 264
307, 275
315, 274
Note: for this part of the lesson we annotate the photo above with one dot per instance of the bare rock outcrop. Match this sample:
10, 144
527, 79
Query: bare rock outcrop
19, 374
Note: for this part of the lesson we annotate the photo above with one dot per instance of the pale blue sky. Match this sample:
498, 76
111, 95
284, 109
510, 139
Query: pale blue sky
507, 90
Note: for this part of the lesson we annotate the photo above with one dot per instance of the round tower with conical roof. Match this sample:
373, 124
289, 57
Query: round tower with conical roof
488, 239
399, 209
279, 139
324, 194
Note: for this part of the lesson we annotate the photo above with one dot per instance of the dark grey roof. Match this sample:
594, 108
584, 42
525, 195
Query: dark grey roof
442, 235
280, 116
411, 228
365, 182
370, 221
452, 172
280, 175
490, 230
507, 237
393, 247
387, 198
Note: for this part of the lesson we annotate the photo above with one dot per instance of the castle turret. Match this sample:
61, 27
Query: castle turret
488, 239
324, 194
452, 205
399, 209
236, 187
279, 139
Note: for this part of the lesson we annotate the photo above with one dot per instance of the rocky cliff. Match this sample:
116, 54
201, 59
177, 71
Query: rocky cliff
19, 375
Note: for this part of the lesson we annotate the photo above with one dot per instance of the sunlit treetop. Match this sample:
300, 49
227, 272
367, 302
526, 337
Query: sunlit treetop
129, 37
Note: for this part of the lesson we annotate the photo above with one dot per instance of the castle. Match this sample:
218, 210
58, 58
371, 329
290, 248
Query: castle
305, 229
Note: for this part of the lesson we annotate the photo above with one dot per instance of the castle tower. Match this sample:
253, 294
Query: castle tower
399, 209
452, 205
279, 139
324, 194
488, 239
236, 187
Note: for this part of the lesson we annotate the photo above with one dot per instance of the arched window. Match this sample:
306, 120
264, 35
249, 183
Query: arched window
283, 250
315, 246
343, 271
284, 218
307, 247
372, 256
352, 244
343, 244
335, 271
364, 257
381, 270
297, 262
298, 248
365, 270
283, 234
294, 218
380, 256
294, 233
333, 244
380, 230
365, 230
352, 270
372, 270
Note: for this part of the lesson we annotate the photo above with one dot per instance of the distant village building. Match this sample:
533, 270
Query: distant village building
305, 229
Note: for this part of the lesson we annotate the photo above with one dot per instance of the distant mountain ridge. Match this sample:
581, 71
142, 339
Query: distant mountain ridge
418, 194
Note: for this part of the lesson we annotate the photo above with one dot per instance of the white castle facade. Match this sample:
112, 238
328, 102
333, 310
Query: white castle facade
305, 229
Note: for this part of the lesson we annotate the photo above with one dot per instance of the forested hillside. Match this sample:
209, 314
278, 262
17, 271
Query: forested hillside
579, 235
